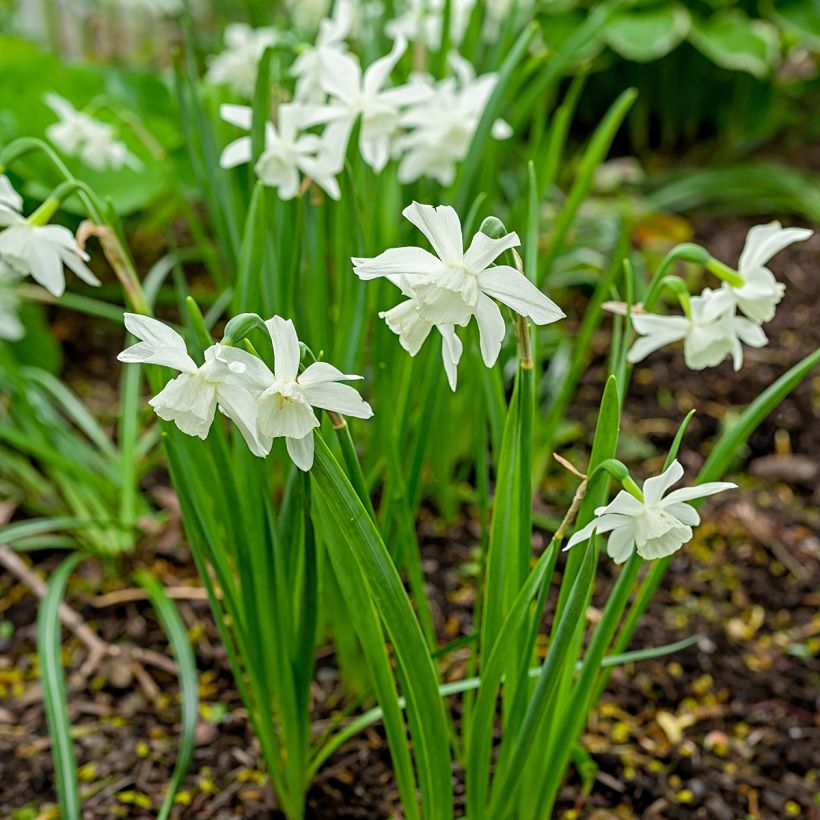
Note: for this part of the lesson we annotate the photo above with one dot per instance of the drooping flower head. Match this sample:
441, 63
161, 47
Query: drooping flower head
287, 153
40, 251
657, 526
761, 292
354, 94
286, 398
190, 400
439, 129
710, 333
450, 287
10, 200
93, 142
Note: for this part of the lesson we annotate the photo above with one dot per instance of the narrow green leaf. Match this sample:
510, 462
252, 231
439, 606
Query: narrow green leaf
418, 673
54, 691
507, 781
183, 654
594, 155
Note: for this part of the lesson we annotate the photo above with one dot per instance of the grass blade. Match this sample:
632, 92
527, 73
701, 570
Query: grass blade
183, 653
54, 692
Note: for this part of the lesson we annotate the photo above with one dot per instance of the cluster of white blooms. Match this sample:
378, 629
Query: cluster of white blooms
237, 66
264, 405
93, 142
425, 125
714, 329
39, 251
656, 525
453, 286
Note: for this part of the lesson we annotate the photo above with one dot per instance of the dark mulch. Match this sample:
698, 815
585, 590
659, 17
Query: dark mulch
725, 729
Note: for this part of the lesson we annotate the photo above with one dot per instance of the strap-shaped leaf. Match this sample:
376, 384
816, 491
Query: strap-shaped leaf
54, 692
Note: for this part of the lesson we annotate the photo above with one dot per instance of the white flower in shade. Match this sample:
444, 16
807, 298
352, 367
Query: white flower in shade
713, 332
11, 328
286, 398
287, 153
10, 200
423, 20
441, 127
353, 94
191, 399
656, 526
761, 292
452, 286
238, 65
40, 251
309, 66
93, 142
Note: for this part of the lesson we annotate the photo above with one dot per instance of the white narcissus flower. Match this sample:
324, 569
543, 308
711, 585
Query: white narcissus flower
308, 67
423, 20
286, 398
452, 286
91, 141
712, 333
10, 200
761, 292
190, 400
40, 251
441, 127
238, 65
656, 526
287, 153
353, 93
11, 328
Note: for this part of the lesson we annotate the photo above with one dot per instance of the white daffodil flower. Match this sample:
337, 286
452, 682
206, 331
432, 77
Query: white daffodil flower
712, 332
11, 328
452, 286
190, 400
423, 20
238, 65
656, 526
287, 153
286, 398
40, 251
10, 200
309, 66
440, 128
761, 292
91, 141
353, 94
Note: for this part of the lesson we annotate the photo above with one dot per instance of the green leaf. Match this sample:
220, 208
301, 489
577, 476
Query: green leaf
54, 692
746, 188
595, 153
645, 34
738, 434
356, 539
507, 781
800, 18
183, 653
731, 40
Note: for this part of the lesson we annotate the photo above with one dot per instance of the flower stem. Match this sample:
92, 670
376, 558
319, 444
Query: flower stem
725, 273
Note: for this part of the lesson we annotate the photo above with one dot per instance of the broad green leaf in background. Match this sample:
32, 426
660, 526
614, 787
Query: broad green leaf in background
731, 40
138, 106
644, 34
800, 18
